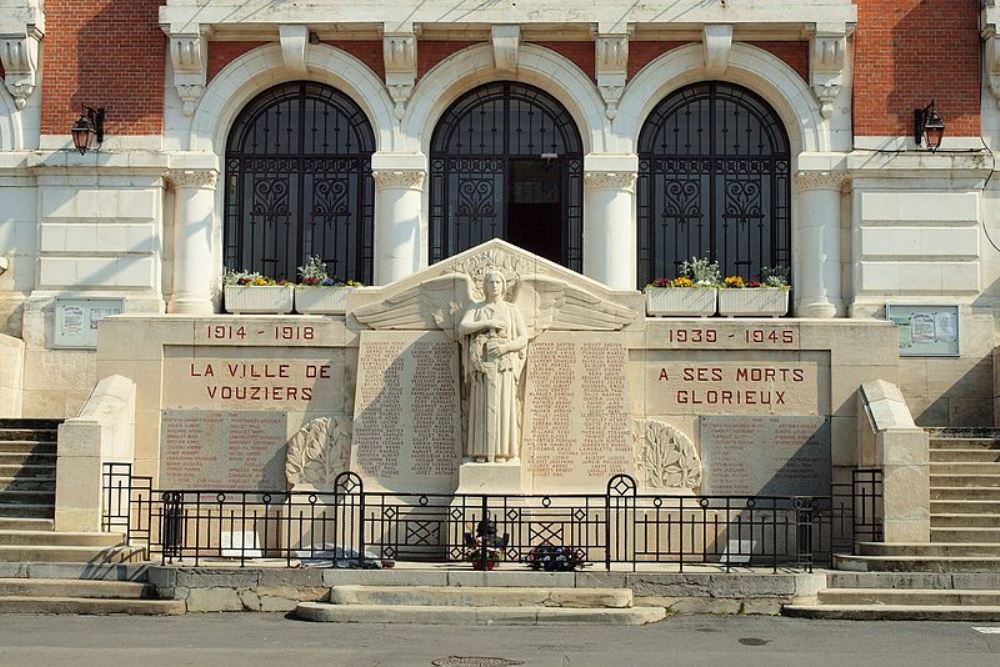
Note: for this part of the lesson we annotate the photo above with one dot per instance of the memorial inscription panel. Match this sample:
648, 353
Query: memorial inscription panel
771, 456
202, 449
576, 432
407, 428
747, 383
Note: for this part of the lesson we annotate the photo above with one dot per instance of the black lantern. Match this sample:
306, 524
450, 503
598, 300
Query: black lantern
91, 122
927, 123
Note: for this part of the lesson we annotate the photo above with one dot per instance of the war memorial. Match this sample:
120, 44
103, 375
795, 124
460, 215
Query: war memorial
689, 307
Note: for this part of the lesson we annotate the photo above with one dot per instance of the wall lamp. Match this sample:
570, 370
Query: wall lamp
91, 124
927, 123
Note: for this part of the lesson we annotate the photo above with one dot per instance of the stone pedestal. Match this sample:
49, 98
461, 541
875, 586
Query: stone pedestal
490, 479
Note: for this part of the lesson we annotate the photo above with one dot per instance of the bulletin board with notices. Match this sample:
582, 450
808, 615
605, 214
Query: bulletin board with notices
76, 320
925, 330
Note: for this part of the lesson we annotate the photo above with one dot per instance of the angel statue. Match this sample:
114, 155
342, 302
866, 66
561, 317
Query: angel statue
494, 313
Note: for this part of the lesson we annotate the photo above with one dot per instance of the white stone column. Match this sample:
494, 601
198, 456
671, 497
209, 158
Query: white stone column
609, 237
817, 260
193, 218
398, 203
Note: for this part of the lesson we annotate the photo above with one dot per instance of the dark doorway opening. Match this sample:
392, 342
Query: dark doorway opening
534, 207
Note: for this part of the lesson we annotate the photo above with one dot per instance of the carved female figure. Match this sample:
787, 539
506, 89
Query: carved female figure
494, 339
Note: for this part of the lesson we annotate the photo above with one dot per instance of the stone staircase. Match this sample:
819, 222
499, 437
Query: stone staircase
479, 605
956, 576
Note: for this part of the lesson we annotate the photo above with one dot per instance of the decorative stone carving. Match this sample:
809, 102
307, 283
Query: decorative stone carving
189, 57
319, 452
611, 66
827, 47
820, 180
718, 42
665, 457
401, 178
294, 42
4, 265
19, 55
193, 178
506, 43
615, 180
399, 51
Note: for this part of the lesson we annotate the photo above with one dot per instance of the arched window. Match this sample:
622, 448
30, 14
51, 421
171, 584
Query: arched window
298, 183
507, 162
714, 182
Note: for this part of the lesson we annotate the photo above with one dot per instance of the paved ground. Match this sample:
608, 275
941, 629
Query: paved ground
250, 640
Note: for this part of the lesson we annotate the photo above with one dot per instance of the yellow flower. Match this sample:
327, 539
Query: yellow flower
734, 281
682, 281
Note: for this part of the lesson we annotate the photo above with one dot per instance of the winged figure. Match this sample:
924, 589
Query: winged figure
494, 314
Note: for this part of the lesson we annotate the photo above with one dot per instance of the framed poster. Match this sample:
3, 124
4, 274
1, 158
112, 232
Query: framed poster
925, 330
76, 320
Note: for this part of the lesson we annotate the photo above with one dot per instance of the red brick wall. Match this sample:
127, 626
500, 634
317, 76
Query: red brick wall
581, 53
908, 51
367, 51
221, 54
431, 52
641, 54
795, 54
103, 53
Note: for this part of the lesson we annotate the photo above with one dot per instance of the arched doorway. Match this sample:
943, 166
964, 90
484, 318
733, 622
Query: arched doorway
299, 183
507, 162
714, 181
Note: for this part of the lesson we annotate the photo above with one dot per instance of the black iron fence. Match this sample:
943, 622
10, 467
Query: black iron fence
352, 525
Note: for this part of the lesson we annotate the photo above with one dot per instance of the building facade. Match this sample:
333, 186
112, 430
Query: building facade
616, 141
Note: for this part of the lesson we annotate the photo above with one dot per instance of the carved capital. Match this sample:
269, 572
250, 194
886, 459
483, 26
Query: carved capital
717, 40
820, 180
401, 178
19, 56
189, 57
506, 41
827, 51
399, 52
612, 180
193, 178
611, 67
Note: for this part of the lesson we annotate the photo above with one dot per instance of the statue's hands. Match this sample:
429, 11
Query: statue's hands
496, 349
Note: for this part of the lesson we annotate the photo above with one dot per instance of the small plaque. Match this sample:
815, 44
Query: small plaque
76, 321
925, 330
766, 456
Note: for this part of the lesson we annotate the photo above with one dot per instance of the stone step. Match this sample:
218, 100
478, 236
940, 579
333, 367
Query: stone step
16, 604
915, 580
29, 423
399, 614
47, 484
15, 497
76, 588
28, 470
974, 480
15, 523
50, 538
966, 534
481, 596
964, 443
965, 520
136, 571
958, 506
34, 435
944, 564
964, 468
69, 554
27, 510
972, 455
28, 458
965, 492
936, 549
26, 447
881, 612
913, 596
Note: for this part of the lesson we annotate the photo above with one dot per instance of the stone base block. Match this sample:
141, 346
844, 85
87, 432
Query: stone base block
490, 478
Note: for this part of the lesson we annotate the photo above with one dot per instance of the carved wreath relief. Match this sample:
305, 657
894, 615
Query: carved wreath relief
319, 452
665, 457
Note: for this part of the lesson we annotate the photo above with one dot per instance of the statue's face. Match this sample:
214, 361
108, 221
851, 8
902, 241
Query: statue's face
492, 284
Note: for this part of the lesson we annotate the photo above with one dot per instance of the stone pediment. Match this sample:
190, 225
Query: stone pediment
551, 297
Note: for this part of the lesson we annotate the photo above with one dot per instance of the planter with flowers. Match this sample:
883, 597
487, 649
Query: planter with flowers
319, 294
691, 294
768, 298
251, 293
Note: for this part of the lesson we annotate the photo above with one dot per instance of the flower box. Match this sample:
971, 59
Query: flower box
321, 300
258, 299
681, 301
753, 302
